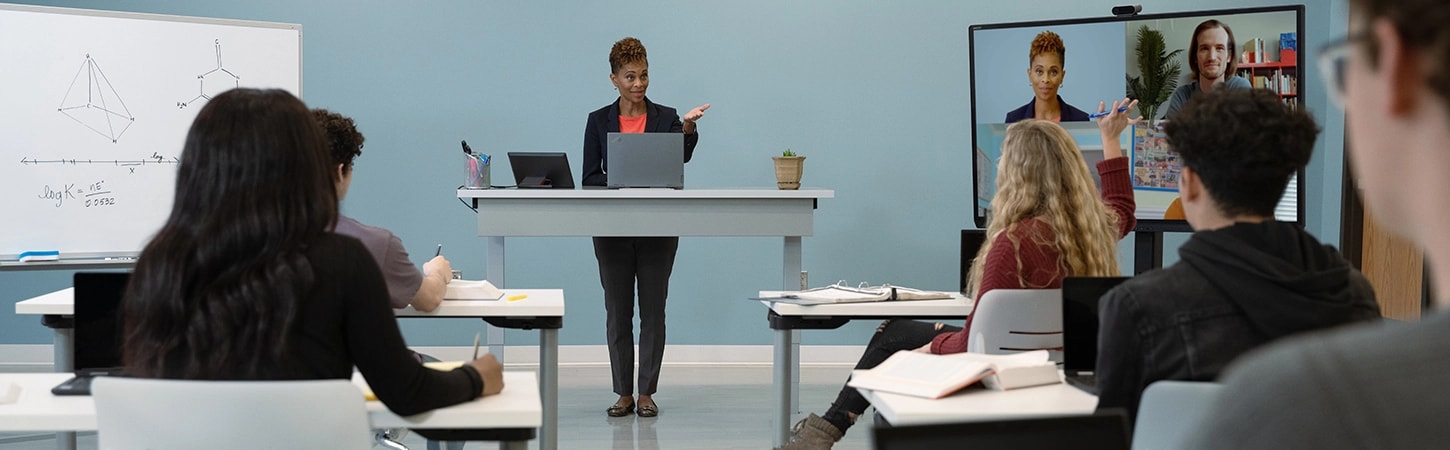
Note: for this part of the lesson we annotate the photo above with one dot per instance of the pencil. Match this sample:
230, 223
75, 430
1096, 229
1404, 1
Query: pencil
475, 344
439, 252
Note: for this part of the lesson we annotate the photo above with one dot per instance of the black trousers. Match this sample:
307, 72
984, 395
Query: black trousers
623, 262
891, 337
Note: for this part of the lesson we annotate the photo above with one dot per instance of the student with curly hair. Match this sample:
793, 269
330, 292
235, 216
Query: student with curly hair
623, 261
1243, 279
245, 282
1048, 222
1045, 71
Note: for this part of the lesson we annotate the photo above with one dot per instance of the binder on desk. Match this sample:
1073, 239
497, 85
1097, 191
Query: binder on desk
841, 293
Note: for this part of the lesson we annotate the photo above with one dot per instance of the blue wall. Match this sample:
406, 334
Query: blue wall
875, 94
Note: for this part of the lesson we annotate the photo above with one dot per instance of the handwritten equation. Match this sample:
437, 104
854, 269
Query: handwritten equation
92, 195
131, 164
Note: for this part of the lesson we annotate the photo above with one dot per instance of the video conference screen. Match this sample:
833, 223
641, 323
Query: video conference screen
1081, 62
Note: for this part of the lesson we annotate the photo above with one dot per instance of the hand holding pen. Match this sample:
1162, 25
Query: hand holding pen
1112, 122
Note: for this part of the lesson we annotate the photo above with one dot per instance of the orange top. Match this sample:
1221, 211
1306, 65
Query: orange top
632, 124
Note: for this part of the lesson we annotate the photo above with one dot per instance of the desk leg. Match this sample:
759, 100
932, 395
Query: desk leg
64, 342
513, 445
784, 391
549, 388
791, 281
494, 274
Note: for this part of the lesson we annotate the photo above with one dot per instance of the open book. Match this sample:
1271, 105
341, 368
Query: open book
841, 293
935, 376
472, 290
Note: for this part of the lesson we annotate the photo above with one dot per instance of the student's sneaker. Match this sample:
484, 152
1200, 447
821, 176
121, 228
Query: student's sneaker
813, 433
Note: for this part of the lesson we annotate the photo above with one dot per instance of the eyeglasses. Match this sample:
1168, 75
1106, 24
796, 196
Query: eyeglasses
1334, 60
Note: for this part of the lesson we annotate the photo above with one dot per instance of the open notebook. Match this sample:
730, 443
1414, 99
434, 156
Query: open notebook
841, 293
472, 290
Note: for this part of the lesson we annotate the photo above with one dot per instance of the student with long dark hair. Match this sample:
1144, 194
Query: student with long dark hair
245, 282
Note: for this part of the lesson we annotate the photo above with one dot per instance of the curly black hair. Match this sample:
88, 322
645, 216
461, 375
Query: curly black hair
1244, 144
344, 142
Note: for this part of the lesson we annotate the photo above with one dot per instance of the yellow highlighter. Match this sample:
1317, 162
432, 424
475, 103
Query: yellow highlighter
514, 298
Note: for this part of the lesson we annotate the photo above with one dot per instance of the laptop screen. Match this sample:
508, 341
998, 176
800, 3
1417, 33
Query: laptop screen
1080, 297
1102, 431
98, 318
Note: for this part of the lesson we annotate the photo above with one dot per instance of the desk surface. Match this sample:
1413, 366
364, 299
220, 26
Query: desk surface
36, 409
956, 307
646, 193
978, 403
539, 303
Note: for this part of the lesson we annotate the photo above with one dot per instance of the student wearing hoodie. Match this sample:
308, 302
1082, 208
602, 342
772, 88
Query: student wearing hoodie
1243, 279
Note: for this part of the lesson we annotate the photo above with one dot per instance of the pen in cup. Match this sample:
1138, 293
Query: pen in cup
1105, 113
475, 344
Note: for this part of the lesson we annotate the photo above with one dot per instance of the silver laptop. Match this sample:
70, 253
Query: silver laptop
645, 160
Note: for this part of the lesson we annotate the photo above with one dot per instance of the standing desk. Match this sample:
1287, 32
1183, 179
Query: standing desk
976, 403
543, 309
786, 319
511, 416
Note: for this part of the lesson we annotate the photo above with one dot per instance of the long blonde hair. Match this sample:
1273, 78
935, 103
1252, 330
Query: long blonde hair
1042, 175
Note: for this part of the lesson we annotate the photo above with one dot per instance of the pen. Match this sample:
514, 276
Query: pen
475, 344
439, 252
1104, 113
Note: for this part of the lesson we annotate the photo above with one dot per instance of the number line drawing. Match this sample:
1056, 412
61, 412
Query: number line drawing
101, 110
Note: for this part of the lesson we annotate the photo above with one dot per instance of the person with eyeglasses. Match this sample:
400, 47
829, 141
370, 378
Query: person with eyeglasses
1374, 386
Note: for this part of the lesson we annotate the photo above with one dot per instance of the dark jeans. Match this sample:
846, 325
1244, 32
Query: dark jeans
622, 262
892, 336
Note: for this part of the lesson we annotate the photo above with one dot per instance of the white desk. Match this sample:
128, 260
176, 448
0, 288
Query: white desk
543, 309
515, 409
786, 318
977, 403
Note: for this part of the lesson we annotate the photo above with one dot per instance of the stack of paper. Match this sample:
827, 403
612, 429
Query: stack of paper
472, 290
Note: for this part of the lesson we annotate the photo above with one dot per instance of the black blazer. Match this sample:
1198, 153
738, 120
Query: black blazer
1028, 111
659, 119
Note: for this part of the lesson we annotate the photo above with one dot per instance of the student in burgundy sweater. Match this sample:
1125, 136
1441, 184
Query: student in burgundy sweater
1047, 223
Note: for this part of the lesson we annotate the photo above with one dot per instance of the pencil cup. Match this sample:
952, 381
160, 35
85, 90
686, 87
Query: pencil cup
478, 173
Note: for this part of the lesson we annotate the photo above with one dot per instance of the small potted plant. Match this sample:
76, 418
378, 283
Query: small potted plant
788, 167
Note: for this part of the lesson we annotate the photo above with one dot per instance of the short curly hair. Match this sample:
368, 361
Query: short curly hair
344, 142
1244, 144
625, 51
1045, 42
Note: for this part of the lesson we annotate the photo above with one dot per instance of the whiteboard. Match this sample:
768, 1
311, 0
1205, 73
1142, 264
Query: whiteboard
94, 109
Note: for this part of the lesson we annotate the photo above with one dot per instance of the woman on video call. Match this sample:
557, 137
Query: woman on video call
625, 260
1045, 76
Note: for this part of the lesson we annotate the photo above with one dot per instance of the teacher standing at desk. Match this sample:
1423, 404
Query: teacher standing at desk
625, 260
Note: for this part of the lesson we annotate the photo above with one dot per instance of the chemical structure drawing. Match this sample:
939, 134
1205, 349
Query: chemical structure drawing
100, 108
219, 79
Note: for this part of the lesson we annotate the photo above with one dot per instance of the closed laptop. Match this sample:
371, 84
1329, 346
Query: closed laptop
645, 160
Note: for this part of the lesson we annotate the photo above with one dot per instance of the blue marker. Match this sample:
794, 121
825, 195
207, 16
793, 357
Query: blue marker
1105, 113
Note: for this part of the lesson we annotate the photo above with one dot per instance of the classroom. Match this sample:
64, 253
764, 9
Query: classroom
806, 76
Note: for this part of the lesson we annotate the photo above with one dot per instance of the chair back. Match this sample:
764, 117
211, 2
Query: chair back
186, 414
1017, 320
1170, 411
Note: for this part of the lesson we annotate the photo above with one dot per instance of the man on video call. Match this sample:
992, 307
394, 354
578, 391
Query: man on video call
1212, 59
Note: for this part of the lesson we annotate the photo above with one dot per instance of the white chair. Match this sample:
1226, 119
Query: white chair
185, 414
1017, 320
1170, 411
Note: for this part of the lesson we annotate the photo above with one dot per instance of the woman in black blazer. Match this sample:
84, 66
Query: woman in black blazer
625, 260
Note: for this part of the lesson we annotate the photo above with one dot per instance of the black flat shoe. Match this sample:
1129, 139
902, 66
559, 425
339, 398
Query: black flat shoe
620, 411
649, 410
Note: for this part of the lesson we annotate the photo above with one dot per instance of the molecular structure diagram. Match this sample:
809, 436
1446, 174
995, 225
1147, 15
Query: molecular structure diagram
219, 78
100, 109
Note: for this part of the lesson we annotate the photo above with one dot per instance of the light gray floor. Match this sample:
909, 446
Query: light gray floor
701, 407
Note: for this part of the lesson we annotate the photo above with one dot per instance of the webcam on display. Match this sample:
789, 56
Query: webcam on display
1127, 10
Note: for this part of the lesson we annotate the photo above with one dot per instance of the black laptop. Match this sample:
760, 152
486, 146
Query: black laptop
1080, 297
97, 313
1105, 431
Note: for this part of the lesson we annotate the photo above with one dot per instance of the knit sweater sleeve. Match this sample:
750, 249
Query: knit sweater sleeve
1118, 192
